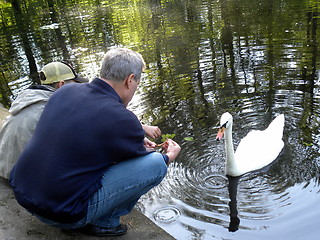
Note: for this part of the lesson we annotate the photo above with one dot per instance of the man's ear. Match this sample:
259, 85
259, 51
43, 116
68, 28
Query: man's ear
61, 83
128, 80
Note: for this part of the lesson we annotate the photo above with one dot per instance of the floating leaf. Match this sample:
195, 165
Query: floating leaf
188, 139
308, 144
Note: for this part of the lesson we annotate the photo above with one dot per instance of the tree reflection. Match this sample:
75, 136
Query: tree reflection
23, 30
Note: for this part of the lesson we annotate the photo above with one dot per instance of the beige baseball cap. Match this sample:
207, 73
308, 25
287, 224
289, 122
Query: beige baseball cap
59, 71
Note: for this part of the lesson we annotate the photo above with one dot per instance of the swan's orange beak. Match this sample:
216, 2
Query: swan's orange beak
220, 133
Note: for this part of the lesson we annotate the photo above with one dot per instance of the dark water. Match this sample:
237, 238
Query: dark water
253, 58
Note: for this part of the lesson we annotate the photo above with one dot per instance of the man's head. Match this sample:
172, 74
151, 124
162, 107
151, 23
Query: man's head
122, 68
59, 73
119, 63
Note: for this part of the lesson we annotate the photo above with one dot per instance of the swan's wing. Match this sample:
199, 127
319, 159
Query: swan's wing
257, 144
275, 128
260, 148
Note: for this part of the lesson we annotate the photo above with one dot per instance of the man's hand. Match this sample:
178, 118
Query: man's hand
149, 145
152, 131
172, 149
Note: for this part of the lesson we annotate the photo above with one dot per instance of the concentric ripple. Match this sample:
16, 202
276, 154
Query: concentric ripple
166, 214
215, 181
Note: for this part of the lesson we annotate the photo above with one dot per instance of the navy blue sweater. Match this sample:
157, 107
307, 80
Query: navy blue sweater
83, 130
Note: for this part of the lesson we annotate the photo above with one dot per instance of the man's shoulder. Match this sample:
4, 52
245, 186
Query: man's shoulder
28, 98
33, 93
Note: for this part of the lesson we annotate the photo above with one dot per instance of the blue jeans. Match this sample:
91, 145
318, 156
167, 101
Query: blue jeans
122, 186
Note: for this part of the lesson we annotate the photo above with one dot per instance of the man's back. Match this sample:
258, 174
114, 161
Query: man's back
19, 126
83, 130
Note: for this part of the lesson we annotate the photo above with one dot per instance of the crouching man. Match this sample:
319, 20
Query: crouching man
86, 164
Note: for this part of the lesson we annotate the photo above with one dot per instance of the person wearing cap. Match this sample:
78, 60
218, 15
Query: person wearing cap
96, 163
26, 109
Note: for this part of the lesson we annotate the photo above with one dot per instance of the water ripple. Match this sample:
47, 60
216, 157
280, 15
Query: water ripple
215, 181
166, 214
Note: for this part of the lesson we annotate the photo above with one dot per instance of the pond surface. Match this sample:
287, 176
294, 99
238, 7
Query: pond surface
252, 58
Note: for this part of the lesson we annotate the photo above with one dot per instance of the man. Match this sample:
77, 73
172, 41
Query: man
87, 164
25, 112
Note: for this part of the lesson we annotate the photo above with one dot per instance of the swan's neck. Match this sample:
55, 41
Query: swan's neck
230, 160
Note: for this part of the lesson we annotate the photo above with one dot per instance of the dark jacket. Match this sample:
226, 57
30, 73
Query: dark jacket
83, 130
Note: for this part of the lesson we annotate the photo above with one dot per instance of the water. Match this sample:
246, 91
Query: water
255, 59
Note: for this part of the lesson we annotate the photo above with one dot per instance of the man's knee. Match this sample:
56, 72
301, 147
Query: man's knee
157, 162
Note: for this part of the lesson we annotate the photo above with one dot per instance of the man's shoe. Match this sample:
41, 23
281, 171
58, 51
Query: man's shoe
104, 232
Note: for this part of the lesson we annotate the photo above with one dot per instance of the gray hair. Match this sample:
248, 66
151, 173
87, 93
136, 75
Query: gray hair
119, 63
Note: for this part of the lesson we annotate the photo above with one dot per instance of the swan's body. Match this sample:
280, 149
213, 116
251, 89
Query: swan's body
256, 150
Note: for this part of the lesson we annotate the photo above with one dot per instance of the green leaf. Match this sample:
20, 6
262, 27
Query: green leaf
188, 138
308, 144
165, 137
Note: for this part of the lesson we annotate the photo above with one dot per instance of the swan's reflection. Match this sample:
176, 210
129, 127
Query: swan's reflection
232, 187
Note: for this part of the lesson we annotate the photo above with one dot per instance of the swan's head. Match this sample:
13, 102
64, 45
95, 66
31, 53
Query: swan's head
225, 123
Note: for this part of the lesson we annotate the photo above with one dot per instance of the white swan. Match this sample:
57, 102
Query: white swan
256, 150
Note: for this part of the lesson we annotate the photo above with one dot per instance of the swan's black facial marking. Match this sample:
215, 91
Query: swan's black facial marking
224, 125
